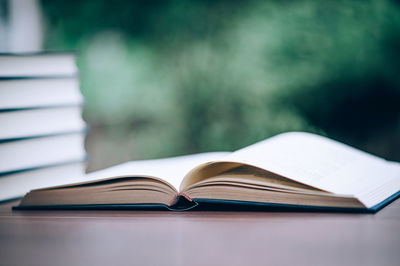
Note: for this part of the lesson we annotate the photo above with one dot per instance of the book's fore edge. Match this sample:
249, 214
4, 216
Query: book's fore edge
84, 159
83, 131
77, 104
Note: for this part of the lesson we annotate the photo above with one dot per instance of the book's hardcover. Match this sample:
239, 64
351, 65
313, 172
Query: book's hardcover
232, 205
147, 207
183, 204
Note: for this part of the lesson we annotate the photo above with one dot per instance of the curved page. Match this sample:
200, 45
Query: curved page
314, 161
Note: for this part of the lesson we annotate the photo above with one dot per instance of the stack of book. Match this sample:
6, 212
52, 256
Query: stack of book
41, 127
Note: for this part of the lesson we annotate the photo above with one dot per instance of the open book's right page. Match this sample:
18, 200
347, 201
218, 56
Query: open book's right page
324, 164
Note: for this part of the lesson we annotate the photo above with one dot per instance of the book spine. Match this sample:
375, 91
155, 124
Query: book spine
181, 202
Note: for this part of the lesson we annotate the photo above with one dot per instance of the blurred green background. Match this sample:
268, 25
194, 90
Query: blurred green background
164, 78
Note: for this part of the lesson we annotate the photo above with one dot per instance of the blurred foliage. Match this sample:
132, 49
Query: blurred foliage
174, 77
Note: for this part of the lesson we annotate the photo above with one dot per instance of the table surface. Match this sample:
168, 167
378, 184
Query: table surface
198, 238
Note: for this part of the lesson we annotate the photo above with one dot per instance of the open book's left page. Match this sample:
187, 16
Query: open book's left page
148, 182
171, 170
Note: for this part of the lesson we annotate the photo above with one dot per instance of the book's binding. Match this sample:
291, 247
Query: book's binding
183, 203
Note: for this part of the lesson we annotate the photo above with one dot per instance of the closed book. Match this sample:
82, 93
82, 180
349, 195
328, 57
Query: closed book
37, 152
37, 64
28, 123
16, 184
39, 92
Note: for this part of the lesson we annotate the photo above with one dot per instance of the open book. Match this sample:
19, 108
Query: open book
290, 170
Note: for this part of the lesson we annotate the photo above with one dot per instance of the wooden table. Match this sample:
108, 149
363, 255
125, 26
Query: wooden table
198, 238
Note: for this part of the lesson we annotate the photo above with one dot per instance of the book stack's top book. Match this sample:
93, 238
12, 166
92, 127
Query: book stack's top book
42, 130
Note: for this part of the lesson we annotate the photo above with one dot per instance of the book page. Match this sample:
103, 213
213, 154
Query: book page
171, 170
324, 164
